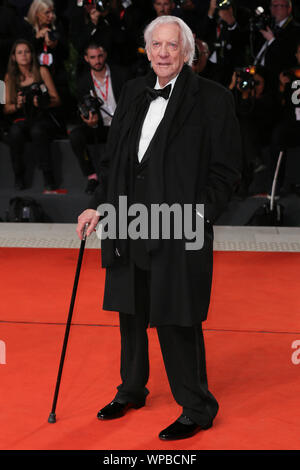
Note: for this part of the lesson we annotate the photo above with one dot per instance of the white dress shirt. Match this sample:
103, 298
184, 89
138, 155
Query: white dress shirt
153, 118
110, 103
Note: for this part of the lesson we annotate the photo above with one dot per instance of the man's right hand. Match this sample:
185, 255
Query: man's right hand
92, 120
90, 217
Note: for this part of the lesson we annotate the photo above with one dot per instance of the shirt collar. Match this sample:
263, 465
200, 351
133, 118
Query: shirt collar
107, 73
281, 23
171, 82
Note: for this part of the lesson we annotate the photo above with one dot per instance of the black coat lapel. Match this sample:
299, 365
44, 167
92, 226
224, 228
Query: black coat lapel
185, 102
180, 105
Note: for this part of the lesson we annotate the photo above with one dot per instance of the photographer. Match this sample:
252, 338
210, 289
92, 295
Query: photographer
98, 91
222, 33
91, 22
41, 28
286, 134
277, 42
201, 65
30, 92
257, 110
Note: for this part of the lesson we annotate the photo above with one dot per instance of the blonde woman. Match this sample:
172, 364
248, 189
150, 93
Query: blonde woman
42, 29
30, 92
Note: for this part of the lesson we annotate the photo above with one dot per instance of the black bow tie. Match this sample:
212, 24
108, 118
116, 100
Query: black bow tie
152, 93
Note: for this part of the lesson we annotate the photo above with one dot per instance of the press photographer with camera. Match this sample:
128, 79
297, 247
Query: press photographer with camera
95, 20
46, 33
286, 133
258, 112
221, 31
98, 92
30, 93
276, 38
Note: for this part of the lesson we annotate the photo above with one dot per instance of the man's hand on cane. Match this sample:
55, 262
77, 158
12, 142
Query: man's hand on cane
90, 217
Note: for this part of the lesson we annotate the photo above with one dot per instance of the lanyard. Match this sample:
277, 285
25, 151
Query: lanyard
104, 95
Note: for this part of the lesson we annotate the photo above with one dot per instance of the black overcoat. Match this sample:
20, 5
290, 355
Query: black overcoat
195, 158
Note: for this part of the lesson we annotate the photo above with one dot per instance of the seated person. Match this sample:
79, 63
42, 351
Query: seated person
30, 92
101, 84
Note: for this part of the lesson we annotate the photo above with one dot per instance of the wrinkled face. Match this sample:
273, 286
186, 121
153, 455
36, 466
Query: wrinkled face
280, 9
23, 55
96, 58
163, 7
45, 17
166, 52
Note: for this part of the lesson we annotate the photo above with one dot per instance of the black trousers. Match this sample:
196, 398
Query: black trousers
80, 138
41, 132
183, 353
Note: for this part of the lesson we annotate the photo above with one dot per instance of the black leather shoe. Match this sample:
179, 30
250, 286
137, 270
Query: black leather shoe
115, 410
179, 430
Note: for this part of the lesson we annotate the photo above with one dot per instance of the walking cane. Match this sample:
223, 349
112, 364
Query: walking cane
52, 416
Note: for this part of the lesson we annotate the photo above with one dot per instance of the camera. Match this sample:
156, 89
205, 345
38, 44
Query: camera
89, 104
261, 21
224, 4
37, 89
100, 5
246, 77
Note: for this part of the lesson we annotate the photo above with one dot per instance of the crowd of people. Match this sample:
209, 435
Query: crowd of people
64, 65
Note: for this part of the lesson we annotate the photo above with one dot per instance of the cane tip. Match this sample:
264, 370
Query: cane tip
52, 418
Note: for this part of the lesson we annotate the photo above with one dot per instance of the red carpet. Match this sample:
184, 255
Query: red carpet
252, 324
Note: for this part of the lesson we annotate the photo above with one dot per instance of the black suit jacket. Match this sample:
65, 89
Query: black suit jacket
280, 55
195, 158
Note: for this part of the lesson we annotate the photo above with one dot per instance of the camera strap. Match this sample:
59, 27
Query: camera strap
98, 86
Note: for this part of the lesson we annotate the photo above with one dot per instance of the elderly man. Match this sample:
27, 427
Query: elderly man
175, 143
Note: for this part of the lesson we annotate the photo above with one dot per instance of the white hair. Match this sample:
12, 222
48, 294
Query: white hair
36, 7
187, 38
